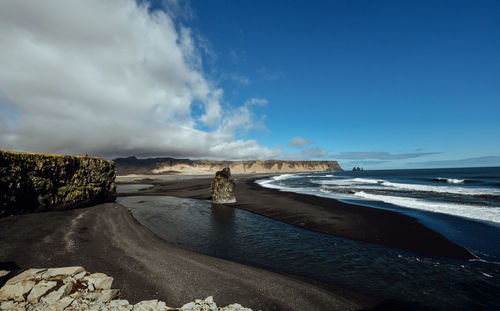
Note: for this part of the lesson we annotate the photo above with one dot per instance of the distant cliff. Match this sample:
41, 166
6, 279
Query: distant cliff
132, 165
36, 182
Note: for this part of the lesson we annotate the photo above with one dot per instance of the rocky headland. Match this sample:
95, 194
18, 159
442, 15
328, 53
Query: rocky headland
133, 165
39, 182
74, 289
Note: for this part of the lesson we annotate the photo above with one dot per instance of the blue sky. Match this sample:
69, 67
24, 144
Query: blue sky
364, 76
378, 84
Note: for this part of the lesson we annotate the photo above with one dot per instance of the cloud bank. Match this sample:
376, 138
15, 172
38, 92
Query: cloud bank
110, 78
379, 155
467, 162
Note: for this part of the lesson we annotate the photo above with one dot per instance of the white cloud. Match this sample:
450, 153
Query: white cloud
298, 142
243, 118
109, 78
487, 161
367, 155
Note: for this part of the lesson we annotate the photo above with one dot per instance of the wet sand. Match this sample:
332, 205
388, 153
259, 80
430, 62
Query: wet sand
106, 238
325, 215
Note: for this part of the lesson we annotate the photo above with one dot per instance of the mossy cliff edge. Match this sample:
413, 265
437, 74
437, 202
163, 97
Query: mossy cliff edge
37, 182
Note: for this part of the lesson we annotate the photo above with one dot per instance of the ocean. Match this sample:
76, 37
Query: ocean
463, 204
472, 193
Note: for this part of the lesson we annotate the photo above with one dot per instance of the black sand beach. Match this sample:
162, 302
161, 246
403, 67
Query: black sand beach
325, 215
105, 238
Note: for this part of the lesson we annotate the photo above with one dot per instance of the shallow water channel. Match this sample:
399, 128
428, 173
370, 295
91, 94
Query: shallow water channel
244, 237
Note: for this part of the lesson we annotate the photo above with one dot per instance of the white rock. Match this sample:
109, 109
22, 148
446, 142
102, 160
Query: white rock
54, 296
150, 305
200, 305
30, 274
99, 280
235, 307
4, 273
40, 289
76, 295
16, 291
90, 296
78, 304
107, 295
119, 305
61, 273
63, 303
7, 305
80, 276
188, 306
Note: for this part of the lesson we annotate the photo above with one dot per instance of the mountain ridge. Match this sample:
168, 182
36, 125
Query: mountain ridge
168, 165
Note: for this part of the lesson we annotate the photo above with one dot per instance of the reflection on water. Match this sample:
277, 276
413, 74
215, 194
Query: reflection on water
251, 239
222, 223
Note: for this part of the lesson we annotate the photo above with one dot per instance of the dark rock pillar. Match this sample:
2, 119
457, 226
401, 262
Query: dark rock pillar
222, 187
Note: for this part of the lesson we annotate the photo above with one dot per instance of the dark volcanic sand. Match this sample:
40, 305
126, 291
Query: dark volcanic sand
105, 238
325, 215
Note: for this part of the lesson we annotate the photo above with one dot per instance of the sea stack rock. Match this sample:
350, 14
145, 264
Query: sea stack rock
222, 187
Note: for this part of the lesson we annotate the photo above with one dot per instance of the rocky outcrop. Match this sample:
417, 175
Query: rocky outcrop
132, 165
222, 187
36, 182
74, 289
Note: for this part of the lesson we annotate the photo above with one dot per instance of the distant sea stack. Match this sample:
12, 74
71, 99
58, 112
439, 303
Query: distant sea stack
37, 182
133, 165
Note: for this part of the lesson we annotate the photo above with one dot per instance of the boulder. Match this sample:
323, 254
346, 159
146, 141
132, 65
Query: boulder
99, 281
30, 274
16, 291
61, 273
40, 289
222, 187
68, 289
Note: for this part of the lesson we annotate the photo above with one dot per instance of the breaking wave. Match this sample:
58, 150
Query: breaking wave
449, 180
483, 213
461, 195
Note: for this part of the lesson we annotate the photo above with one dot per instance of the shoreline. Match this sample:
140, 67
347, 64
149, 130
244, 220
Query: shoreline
326, 215
108, 239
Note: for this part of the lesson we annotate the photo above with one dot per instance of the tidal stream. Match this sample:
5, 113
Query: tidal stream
244, 237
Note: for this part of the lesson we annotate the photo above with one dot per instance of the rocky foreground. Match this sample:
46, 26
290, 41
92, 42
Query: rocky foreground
74, 289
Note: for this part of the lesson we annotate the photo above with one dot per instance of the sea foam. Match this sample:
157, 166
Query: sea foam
385, 184
484, 213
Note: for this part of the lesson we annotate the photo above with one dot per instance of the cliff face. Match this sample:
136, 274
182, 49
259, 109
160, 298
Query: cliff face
37, 182
132, 165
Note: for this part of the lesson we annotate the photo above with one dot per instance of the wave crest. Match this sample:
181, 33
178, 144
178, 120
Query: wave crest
449, 180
